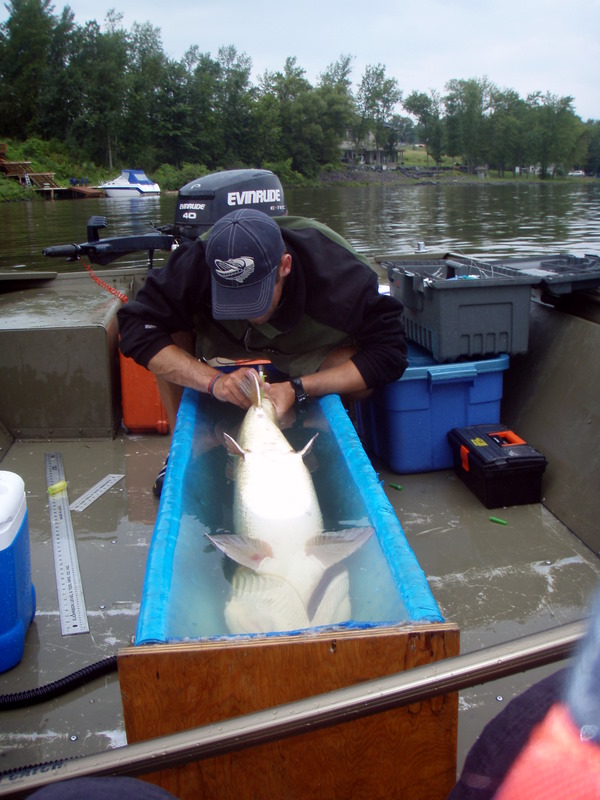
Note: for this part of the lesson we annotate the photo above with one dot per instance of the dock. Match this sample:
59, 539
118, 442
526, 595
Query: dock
44, 183
68, 192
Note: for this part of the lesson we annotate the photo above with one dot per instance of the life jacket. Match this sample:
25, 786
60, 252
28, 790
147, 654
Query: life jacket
558, 762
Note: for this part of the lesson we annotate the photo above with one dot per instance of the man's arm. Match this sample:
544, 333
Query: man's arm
165, 305
175, 365
178, 367
338, 375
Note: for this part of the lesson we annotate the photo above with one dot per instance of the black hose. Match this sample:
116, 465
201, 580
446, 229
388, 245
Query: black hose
63, 685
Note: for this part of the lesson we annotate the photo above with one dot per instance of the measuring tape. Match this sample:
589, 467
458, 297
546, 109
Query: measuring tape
95, 492
71, 603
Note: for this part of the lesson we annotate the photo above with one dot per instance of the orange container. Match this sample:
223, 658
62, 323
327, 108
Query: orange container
141, 405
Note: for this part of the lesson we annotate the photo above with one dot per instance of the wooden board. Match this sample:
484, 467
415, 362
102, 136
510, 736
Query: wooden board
406, 752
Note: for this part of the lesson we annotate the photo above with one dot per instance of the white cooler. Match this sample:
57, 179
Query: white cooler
17, 593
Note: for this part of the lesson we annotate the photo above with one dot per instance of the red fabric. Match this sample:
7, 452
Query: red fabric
555, 764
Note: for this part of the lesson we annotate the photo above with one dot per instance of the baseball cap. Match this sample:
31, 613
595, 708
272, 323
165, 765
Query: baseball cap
243, 251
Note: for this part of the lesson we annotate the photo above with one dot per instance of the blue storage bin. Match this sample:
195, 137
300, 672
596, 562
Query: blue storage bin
406, 422
17, 594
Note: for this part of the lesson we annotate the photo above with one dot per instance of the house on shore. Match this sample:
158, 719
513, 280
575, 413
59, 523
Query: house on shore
365, 151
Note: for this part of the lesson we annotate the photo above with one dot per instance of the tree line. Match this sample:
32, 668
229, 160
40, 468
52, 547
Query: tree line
113, 96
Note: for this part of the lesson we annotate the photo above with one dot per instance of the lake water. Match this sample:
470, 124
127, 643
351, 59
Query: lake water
383, 219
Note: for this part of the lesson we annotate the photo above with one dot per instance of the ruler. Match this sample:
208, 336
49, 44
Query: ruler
95, 492
71, 603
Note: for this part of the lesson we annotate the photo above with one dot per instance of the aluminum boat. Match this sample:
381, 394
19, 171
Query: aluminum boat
499, 585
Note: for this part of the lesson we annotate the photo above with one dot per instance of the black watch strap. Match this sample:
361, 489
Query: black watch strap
301, 396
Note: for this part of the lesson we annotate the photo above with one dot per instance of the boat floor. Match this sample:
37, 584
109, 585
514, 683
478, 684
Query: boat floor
497, 582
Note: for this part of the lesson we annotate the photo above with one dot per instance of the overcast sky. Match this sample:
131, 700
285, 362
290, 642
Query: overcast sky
526, 45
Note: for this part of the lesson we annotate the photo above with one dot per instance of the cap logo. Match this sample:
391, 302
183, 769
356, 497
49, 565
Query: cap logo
235, 269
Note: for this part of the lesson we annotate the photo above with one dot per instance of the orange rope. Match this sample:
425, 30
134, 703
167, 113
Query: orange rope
102, 283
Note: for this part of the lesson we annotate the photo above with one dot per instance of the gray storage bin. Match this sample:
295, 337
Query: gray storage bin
459, 308
558, 274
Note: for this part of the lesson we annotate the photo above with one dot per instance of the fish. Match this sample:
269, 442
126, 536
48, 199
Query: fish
290, 574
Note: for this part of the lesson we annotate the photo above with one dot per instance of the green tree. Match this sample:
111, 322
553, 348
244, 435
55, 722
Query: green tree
312, 121
335, 91
146, 73
592, 161
201, 98
555, 129
336, 117
506, 128
337, 75
307, 135
376, 101
174, 129
467, 104
406, 129
577, 155
290, 89
267, 130
58, 105
286, 85
235, 97
100, 77
25, 43
426, 109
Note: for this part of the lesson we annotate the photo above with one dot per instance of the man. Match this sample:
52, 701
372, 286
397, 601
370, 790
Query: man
545, 745
289, 291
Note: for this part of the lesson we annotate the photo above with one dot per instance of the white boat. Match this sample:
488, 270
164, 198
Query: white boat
131, 183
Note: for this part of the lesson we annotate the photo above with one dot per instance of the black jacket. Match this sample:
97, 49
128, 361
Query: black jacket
331, 291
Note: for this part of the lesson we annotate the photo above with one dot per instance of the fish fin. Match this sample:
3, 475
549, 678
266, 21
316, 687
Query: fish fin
307, 447
251, 386
334, 546
247, 552
232, 446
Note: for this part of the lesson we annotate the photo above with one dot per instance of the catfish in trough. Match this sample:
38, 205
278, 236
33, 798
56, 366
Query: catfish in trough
286, 577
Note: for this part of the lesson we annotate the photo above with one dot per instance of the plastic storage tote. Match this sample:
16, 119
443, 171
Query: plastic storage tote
461, 310
406, 422
557, 275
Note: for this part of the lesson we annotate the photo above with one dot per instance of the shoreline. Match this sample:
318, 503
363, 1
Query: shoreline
413, 176
400, 176
426, 176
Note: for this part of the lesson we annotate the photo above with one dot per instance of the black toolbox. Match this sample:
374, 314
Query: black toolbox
497, 465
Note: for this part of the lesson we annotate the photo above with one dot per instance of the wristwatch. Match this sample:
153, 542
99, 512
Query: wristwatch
301, 396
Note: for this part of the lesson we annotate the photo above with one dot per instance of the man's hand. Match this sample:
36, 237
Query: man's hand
230, 387
282, 396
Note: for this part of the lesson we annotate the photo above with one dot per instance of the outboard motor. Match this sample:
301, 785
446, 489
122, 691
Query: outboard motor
201, 202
